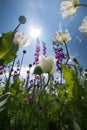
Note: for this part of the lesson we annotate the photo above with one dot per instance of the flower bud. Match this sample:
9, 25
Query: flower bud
22, 19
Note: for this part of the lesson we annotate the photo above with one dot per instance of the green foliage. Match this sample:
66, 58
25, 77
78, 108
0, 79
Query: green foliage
3, 100
71, 81
7, 48
77, 97
39, 108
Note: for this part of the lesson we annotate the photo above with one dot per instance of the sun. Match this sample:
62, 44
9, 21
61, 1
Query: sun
35, 32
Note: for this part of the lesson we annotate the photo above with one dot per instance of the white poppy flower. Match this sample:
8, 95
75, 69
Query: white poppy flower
47, 64
69, 7
83, 27
61, 37
21, 39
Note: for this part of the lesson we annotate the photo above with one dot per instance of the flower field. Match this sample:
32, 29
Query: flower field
53, 96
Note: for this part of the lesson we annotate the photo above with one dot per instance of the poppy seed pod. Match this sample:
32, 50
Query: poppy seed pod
22, 19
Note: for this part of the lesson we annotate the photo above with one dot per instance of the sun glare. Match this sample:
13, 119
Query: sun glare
35, 32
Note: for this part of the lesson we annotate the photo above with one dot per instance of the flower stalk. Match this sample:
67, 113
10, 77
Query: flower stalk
67, 53
16, 28
47, 81
24, 52
8, 80
82, 5
22, 20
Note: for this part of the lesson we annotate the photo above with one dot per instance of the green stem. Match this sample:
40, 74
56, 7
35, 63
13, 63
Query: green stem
14, 31
7, 84
28, 75
41, 81
82, 5
61, 72
47, 81
21, 63
59, 126
67, 52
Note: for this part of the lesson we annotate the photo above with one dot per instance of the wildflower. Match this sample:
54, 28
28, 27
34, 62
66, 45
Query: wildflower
61, 37
16, 74
83, 27
69, 7
31, 81
21, 39
31, 96
47, 64
59, 56
44, 48
37, 52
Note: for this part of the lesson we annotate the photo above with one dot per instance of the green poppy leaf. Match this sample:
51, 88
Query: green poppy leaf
70, 80
3, 100
7, 48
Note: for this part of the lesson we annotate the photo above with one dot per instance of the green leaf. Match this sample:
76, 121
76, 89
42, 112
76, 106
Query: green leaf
70, 80
76, 126
7, 48
3, 100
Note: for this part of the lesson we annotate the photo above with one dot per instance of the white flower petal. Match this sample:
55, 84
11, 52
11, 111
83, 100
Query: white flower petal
69, 7
47, 64
65, 5
61, 37
21, 39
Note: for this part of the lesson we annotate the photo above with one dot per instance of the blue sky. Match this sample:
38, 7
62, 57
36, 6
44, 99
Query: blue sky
44, 14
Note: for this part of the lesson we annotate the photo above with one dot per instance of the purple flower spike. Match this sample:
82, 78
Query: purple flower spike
37, 52
59, 55
31, 96
31, 81
44, 48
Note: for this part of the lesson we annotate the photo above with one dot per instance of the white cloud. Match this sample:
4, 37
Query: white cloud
23, 72
36, 5
78, 38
